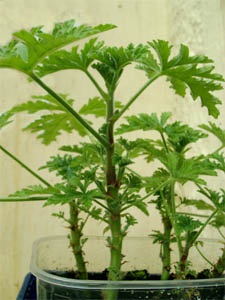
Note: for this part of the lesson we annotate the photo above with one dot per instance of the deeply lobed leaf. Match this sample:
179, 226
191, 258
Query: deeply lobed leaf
30, 47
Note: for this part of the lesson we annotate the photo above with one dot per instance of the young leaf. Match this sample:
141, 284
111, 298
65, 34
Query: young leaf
112, 61
144, 122
186, 223
180, 135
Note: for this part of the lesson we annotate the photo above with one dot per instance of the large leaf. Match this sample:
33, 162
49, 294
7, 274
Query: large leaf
185, 71
53, 121
29, 48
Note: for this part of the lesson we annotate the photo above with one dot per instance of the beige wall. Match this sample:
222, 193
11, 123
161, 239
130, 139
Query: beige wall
198, 23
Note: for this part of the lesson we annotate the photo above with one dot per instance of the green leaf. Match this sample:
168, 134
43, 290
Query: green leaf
34, 190
65, 60
186, 169
51, 126
199, 204
29, 48
5, 119
216, 131
219, 220
53, 122
186, 223
181, 135
144, 122
219, 159
185, 71
112, 61
95, 106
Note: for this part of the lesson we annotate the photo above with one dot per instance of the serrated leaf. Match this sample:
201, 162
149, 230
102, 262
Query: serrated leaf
180, 135
74, 59
144, 122
28, 48
216, 131
185, 71
34, 190
5, 119
219, 159
51, 126
199, 204
95, 106
53, 122
182, 169
112, 60
185, 223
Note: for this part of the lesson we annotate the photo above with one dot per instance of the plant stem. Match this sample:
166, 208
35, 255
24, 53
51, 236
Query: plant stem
139, 92
166, 251
23, 199
100, 90
112, 193
25, 166
69, 109
75, 240
203, 256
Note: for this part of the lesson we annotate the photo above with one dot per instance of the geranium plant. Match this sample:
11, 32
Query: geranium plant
96, 175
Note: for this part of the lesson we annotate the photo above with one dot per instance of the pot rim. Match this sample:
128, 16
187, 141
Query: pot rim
123, 284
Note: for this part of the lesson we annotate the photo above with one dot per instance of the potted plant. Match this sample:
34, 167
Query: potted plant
98, 178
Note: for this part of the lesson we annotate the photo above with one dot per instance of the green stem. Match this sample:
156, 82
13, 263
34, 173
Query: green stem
24, 166
75, 240
140, 91
204, 225
166, 250
100, 90
69, 109
23, 199
221, 233
203, 256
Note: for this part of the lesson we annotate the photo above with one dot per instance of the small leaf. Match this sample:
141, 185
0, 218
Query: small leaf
144, 122
95, 106
5, 119
34, 190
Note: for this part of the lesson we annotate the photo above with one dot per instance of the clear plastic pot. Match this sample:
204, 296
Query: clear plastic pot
52, 254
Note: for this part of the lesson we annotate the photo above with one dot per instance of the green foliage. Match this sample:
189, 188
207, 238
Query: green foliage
5, 119
218, 132
29, 48
54, 120
112, 61
97, 176
65, 60
184, 71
